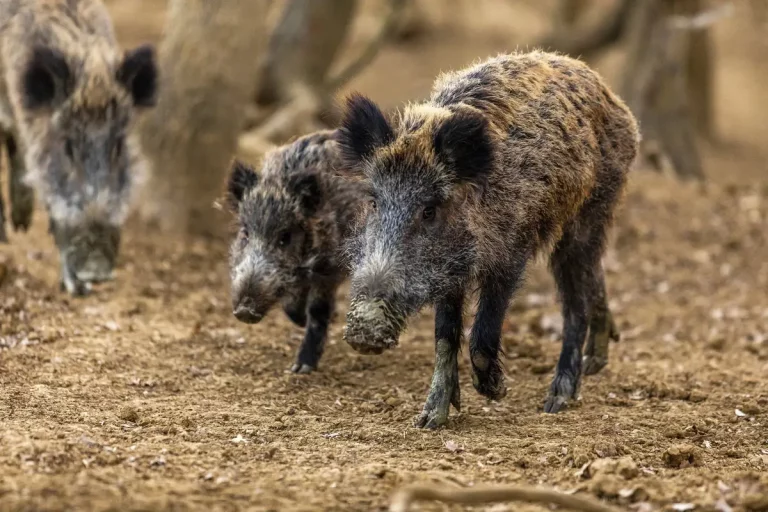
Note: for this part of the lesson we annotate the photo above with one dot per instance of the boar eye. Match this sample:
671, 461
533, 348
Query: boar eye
373, 204
68, 149
117, 148
285, 239
428, 213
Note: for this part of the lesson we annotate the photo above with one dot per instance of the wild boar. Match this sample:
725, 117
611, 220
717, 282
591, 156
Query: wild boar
521, 155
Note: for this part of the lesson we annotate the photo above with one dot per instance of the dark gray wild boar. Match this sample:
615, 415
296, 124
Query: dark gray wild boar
518, 156
68, 99
292, 217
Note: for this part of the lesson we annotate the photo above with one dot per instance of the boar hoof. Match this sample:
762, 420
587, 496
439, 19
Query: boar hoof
21, 215
75, 287
490, 383
564, 387
555, 404
302, 368
593, 364
601, 331
431, 419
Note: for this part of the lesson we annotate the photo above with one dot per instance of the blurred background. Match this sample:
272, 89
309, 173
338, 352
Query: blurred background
149, 392
691, 70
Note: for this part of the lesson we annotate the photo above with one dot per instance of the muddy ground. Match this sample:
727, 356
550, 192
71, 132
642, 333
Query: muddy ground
148, 395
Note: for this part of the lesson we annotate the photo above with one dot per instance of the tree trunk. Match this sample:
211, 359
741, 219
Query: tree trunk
303, 47
208, 63
656, 87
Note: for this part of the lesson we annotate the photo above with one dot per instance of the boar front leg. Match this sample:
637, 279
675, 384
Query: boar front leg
444, 390
295, 307
68, 280
485, 341
322, 301
21, 195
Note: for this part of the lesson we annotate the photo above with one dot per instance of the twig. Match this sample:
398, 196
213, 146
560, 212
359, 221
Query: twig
369, 53
403, 498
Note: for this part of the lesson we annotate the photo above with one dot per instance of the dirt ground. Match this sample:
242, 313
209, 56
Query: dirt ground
149, 395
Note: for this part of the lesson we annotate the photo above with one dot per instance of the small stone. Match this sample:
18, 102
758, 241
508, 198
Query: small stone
541, 368
682, 456
627, 468
697, 396
393, 401
751, 408
756, 502
129, 413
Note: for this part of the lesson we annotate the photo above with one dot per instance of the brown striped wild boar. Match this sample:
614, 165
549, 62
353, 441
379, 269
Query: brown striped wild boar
292, 217
521, 155
68, 100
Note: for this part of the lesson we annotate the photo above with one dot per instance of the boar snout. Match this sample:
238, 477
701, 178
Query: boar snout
97, 269
247, 312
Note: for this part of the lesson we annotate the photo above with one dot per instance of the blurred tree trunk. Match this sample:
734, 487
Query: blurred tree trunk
303, 47
569, 37
207, 59
297, 86
700, 72
656, 86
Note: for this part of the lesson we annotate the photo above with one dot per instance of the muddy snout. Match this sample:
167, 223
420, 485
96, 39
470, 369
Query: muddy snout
247, 310
97, 268
373, 325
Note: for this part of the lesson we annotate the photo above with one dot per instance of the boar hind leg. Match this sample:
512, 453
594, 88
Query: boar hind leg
22, 196
321, 304
602, 329
444, 390
578, 273
3, 234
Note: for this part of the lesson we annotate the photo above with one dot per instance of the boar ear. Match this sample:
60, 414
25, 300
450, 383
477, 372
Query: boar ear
47, 78
138, 74
242, 178
463, 143
306, 187
363, 130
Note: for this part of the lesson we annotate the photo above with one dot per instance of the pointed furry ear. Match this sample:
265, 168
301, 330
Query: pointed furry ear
363, 130
306, 186
138, 74
242, 178
47, 78
463, 143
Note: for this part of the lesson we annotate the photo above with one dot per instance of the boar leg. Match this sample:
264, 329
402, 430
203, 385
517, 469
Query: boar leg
295, 307
322, 301
444, 390
575, 264
22, 196
3, 234
68, 281
602, 329
485, 339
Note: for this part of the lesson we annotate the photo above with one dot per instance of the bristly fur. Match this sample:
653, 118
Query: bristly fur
293, 216
519, 155
68, 99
